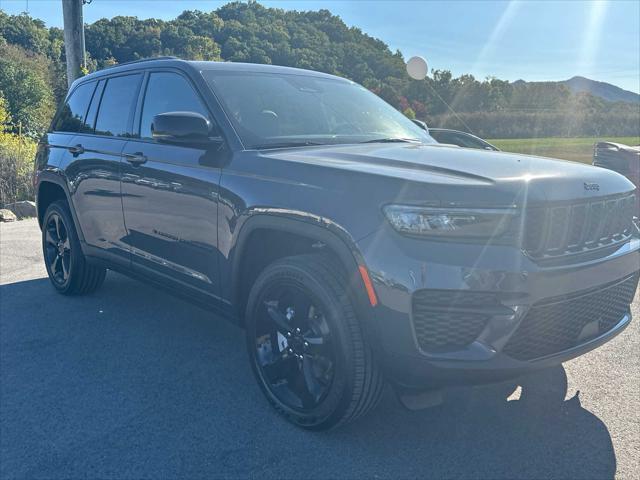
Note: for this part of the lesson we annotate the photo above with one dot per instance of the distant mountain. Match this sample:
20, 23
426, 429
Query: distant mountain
603, 90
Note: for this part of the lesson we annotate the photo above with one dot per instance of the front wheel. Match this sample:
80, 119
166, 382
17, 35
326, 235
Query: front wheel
306, 346
67, 267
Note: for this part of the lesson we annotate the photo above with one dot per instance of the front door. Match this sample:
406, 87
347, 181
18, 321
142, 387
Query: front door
170, 192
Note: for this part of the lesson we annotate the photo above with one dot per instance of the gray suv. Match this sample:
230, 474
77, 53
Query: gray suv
354, 250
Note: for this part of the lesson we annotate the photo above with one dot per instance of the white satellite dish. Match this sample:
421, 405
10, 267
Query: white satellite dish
417, 68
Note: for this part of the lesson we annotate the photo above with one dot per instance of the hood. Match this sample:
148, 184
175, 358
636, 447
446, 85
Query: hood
446, 169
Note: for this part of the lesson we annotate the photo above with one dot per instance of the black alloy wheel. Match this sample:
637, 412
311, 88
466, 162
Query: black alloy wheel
57, 249
68, 269
306, 346
294, 348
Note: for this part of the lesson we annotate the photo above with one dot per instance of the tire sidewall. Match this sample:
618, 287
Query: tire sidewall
338, 398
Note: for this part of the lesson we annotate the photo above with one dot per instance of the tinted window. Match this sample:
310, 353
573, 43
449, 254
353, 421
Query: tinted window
469, 142
168, 92
93, 108
71, 117
444, 137
117, 104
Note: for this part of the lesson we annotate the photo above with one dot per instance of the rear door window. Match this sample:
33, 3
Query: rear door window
117, 105
72, 116
168, 92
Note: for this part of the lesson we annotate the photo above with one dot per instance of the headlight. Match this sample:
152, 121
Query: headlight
450, 222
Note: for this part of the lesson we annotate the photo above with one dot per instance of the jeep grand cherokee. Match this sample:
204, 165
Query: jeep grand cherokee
352, 248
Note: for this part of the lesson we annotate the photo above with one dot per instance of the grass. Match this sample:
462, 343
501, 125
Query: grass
576, 149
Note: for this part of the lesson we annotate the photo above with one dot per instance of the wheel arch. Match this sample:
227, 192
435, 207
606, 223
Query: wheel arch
51, 188
325, 237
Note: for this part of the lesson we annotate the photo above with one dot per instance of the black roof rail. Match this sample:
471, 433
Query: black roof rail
141, 60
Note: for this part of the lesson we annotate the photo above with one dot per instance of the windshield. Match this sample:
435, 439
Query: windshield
272, 110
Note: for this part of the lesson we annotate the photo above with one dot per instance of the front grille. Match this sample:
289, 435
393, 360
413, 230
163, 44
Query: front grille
562, 323
582, 227
446, 320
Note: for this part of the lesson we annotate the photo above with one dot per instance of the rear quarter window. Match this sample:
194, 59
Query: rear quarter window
72, 115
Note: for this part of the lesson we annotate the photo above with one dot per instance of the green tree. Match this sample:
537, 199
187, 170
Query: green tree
25, 85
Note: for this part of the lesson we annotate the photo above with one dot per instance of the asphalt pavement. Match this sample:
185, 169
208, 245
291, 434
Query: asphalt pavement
130, 382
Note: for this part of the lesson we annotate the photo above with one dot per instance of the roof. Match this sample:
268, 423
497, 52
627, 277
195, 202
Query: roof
258, 68
204, 66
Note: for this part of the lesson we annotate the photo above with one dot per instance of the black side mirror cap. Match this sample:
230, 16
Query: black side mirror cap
184, 128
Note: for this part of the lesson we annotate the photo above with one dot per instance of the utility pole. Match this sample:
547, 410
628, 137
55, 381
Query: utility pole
73, 38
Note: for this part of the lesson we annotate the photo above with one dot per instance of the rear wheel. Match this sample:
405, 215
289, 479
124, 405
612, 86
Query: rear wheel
67, 267
306, 346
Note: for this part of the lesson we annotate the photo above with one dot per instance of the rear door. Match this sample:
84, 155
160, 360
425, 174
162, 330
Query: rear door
170, 192
94, 165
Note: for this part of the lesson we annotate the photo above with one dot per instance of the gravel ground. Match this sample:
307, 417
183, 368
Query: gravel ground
132, 383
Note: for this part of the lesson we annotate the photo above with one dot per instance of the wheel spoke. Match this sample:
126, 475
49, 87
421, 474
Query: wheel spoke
279, 318
278, 369
298, 387
56, 220
301, 306
65, 268
48, 238
54, 265
311, 382
312, 339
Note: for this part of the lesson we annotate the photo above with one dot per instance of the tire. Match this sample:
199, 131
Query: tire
68, 270
322, 373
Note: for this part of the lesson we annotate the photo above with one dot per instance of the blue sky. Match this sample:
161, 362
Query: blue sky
533, 40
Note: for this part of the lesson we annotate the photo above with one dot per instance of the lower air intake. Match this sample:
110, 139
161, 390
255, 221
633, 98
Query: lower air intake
566, 322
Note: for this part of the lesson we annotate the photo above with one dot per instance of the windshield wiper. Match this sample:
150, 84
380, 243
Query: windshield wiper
392, 140
285, 145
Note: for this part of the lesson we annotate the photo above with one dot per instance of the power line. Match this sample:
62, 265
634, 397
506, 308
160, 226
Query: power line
450, 108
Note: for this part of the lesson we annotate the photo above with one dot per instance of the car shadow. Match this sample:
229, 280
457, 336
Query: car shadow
130, 382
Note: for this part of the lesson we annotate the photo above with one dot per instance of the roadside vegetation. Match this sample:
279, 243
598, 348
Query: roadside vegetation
16, 162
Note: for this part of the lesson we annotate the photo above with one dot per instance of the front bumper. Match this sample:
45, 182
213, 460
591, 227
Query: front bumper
400, 267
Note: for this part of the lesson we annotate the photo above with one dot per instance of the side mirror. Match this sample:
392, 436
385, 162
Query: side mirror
421, 124
182, 127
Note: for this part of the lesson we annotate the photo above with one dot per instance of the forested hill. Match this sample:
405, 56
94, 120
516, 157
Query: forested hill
249, 32
603, 90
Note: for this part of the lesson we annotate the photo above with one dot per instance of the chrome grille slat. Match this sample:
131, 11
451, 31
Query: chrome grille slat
596, 221
610, 212
558, 228
577, 226
585, 226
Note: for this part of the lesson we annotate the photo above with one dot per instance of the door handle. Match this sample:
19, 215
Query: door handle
76, 149
135, 158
